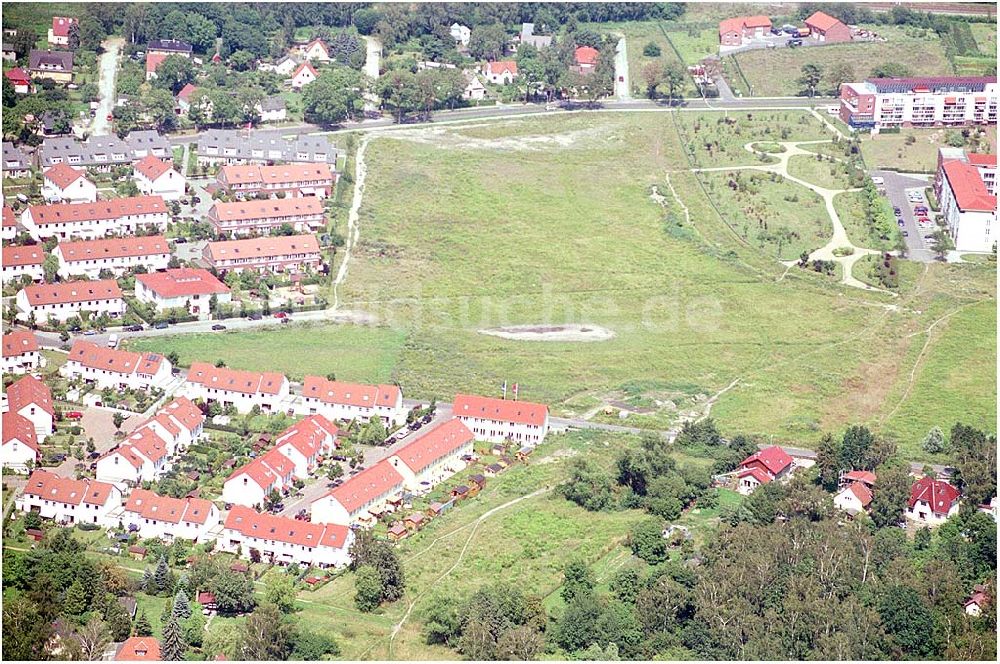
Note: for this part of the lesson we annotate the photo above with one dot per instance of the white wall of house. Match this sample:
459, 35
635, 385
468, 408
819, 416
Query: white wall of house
70, 513
495, 431
243, 490
35, 271
244, 403
970, 230
16, 456
847, 501
80, 190
23, 363
38, 416
117, 380
154, 528
434, 473
61, 311
119, 265
921, 512
170, 185
92, 229
285, 552
195, 304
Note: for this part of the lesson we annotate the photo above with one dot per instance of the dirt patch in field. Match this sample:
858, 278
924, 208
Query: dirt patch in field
444, 137
551, 333
557, 455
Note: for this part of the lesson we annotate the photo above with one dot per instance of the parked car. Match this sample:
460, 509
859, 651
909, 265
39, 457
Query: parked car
281, 314
162, 325
255, 316
897, 210
90, 333
218, 326
195, 200
286, 319
792, 43
180, 240
906, 234
73, 415
133, 328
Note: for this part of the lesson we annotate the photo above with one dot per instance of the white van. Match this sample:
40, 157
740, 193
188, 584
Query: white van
113, 341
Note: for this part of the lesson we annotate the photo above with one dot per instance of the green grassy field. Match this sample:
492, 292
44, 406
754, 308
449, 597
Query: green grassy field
472, 227
850, 208
694, 43
774, 73
911, 150
827, 174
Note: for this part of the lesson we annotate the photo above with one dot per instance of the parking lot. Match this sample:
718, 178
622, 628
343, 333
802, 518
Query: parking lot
899, 189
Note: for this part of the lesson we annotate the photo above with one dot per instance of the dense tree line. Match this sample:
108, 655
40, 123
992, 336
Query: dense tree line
378, 571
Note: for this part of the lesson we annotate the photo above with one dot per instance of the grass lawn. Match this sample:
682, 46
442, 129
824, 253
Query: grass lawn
827, 174
775, 72
779, 217
985, 35
911, 150
637, 35
694, 42
851, 208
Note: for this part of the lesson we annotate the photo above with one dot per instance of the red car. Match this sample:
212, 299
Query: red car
74, 415
281, 314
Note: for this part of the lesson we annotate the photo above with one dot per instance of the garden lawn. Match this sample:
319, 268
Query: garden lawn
826, 174
695, 43
911, 150
775, 72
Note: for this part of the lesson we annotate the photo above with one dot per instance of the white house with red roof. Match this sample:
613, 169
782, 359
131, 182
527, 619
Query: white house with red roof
164, 517
502, 72
827, 29
338, 400
250, 484
144, 456
434, 456
977, 602
932, 501
290, 180
966, 188
303, 76
184, 98
361, 498
499, 420
31, 399
59, 32
853, 498
304, 214
23, 260
65, 300
138, 649
187, 417
277, 253
19, 79
116, 369
769, 464
64, 184
157, 177
88, 258
585, 58
9, 225
117, 216
69, 501
186, 288
316, 51
20, 444
21, 352
741, 30
306, 442
285, 541
240, 389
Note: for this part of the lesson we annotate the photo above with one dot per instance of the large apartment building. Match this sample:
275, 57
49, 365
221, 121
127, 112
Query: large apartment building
966, 188
919, 102
294, 180
352, 401
260, 217
500, 420
88, 258
282, 253
90, 221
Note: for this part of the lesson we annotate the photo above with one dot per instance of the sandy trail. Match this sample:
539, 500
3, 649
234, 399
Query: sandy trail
353, 227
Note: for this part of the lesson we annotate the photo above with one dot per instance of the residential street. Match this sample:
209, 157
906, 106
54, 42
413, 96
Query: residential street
109, 68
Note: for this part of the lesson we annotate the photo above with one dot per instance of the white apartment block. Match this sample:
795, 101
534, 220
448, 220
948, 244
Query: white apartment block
285, 541
241, 389
919, 102
19, 451
337, 400
62, 301
186, 288
434, 456
500, 420
116, 369
360, 498
966, 188
88, 258
288, 253
69, 501
89, 221
166, 518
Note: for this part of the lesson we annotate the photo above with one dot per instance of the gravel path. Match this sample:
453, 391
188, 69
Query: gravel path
109, 67
353, 231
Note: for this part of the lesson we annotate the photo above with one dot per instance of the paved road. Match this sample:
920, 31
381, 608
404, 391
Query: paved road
109, 68
896, 185
623, 89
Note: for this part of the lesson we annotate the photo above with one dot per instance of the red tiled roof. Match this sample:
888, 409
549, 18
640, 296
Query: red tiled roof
257, 471
366, 485
282, 529
187, 91
29, 390
149, 505
938, 494
738, 23
93, 356
117, 247
184, 411
320, 42
139, 648
967, 184
305, 65
19, 427
126, 452
278, 462
822, 22
757, 474
284, 174
73, 291
114, 208
60, 25
865, 476
232, 380
263, 247
148, 443
66, 490
862, 493
268, 209
22, 255
153, 167
500, 66
500, 410
585, 55
19, 342
773, 458
154, 60
320, 422
307, 436
436, 443
164, 421
979, 159
63, 175
182, 282
9, 219
18, 76
350, 394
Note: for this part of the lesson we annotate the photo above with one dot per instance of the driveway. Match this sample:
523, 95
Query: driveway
109, 67
622, 89
372, 64
896, 186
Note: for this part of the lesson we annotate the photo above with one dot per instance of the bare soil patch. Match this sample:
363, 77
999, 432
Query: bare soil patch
551, 333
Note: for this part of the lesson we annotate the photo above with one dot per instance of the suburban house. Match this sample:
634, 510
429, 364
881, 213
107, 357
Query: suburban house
249, 485
64, 184
19, 79
241, 389
338, 400
20, 260
827, 29
183, 98
114, 368
186, 417
280, 253
304, 215
316, 50
306, 443
59, 32
434, 456
157, 177
237, 146
32, 399
143, 457
19, 451
284, 66
742, 30
292, 180
966, 190
977, 602
20, 350
272, 109
163, 517
54, 65
585, 58
68, 299
67, 500
461, 33
153, 62
932, 501
285, 541
185, 288
919, 102
169, 47
528, 36
502, 72
104, 152
474, 88
16, 163
303, 76
139, 649
854, 498
771, 463
118, 255
88, 221
9, 225
498, 420
360, 498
